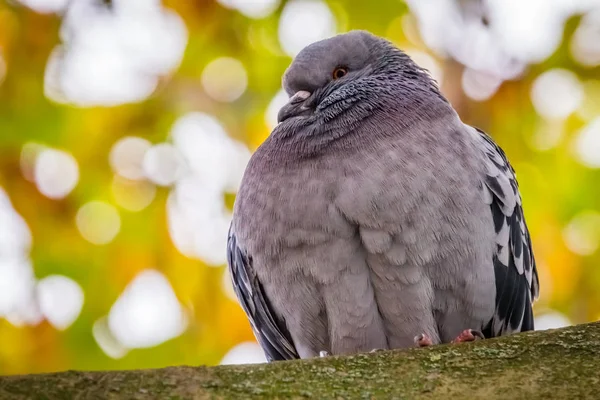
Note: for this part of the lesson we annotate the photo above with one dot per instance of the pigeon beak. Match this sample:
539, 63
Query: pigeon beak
295, 107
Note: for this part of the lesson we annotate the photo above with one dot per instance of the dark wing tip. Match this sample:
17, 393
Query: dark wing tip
270, 331
515, 271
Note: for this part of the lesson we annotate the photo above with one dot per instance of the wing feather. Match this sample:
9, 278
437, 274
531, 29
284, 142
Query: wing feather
515, 272
270, 331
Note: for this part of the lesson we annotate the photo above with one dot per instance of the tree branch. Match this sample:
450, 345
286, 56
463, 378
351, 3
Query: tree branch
563, 363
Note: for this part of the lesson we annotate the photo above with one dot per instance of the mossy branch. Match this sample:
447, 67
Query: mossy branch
559, 364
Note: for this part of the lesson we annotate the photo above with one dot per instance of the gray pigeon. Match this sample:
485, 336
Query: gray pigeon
373, 218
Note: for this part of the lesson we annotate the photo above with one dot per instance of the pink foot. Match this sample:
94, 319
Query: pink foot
423, 340
468, 335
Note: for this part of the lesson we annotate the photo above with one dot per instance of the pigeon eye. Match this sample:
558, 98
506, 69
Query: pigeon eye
339, 72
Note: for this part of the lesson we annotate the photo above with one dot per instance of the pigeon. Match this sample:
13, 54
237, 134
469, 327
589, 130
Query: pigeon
373, 218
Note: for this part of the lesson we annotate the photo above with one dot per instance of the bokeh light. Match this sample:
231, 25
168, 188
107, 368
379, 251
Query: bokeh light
551, 320
28, 157
132, 195
531, 31
585, 43
224, 79
106, 340
303, 22
61, 300
547, 134
56, 173
253, 8
278, 101
244, 353
590, 107
147, 313
127, 156
479, 86
198, 220
15, 237
163, 164
45, 6
582, 234
16, 284
208, 150
462, 31
556, 93
17, 281
98, 222
113, 55
587, 144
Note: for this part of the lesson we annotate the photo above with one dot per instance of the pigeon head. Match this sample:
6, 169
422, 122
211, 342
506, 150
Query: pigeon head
329, 77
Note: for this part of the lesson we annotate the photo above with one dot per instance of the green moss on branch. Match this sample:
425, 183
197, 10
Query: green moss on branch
563, 364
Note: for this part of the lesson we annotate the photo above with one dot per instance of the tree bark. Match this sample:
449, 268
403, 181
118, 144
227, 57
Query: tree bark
559, 364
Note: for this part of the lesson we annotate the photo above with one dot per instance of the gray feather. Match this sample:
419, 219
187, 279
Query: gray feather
270, 333
372, 214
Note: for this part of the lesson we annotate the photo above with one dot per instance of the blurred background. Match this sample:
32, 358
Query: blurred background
125, 127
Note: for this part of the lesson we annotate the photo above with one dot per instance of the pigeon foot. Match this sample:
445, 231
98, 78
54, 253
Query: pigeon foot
468, 335
423, 340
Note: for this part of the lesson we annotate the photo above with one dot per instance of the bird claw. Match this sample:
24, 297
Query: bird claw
468, 335
323, 354
423, 340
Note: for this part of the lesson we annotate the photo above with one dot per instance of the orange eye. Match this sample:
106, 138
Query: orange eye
339, 72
